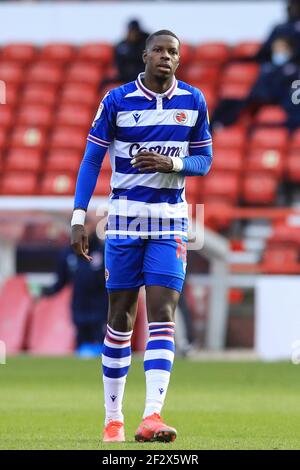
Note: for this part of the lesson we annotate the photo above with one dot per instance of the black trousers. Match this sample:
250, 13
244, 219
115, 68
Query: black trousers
89, 333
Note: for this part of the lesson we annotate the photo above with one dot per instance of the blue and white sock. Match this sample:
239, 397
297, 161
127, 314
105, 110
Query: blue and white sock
116, 360
158, 361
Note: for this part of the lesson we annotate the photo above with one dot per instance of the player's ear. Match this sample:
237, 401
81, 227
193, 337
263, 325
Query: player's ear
144, 56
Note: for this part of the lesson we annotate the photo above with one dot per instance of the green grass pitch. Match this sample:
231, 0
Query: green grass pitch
58, 404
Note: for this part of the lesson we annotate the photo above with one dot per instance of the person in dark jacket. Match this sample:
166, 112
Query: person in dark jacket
273, 86
289, 29
128, 53
89, 299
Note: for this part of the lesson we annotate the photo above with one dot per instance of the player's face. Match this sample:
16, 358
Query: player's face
162, 57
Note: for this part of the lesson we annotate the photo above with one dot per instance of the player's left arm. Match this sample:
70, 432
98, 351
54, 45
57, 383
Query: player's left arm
199, 160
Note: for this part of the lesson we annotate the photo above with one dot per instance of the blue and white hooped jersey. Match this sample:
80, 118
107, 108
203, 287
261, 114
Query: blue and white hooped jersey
132, 118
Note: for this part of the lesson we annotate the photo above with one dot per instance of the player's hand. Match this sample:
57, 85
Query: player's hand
147, 162
80, 242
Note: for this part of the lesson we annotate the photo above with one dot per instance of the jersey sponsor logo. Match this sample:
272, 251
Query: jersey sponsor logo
165, 150
181, 117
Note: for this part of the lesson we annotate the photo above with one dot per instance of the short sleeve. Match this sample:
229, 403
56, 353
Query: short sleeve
200, 139
103, 128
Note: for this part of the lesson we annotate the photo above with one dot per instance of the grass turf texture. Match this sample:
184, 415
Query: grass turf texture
57, 404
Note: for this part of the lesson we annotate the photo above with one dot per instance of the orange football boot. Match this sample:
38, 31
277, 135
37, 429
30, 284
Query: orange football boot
114, 432
152, 428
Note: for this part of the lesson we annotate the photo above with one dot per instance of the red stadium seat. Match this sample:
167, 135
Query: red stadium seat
6, 115
245, 50
233, 137
11, 94
209, 94
295, 141
16, 183
3, 138
58, 52
234, 90
217, 213
227, 159
280, 260
195, 73
51, 328
10, 72
221, 184
75, 115
63, 160
272, 139
58, 184
44, 72
270, 161
106, 166
293, 166
186, 54
259, 188
23, 53
284, 234
193, 191
15, 304
28, 136
80, 93
103, 185
212, 53
68, 138
270, 115
35, 115
240, 73
45, 94
102, 53
82, 72
23, 159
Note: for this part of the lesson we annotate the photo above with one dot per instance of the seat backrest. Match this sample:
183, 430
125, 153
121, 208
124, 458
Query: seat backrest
15, 304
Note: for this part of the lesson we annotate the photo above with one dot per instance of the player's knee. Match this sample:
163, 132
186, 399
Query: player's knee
165, 313
121, 321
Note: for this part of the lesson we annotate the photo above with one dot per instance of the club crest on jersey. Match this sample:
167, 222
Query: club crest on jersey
180, 117
106, 274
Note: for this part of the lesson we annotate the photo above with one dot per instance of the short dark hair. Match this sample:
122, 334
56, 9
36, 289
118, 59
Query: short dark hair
161, 32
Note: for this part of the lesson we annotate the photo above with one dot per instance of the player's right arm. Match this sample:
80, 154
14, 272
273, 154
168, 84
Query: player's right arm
98, 140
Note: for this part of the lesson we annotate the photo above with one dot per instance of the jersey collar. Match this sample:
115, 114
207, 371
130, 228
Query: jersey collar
151, 94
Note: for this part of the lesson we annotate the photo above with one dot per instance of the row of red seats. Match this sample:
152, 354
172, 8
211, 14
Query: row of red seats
257, 188
234, 162
34, 160
45, 326
231, 139
207, 52
55, 74
48, 116
49, 94
57, 52
52, 183
234, 81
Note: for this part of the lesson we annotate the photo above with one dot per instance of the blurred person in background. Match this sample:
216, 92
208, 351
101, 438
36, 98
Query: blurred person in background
273, 86
128, 53
289, 29
89, 298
